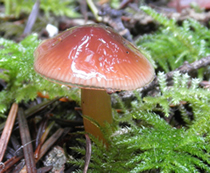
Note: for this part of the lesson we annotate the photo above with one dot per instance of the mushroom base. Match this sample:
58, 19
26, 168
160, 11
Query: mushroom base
96, 104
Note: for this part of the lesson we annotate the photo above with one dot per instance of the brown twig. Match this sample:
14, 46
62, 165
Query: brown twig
113, 17
50, 142
185, 68
88, 153
41, 129
31, 111
16, 145
124, 3
9, 163
42, 139
46, 146
83, 9
8, 130
44, 169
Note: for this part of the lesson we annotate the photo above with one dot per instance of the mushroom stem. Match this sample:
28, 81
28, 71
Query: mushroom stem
96, 104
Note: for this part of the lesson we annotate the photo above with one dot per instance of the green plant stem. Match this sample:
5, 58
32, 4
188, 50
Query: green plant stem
94, 10
7, 7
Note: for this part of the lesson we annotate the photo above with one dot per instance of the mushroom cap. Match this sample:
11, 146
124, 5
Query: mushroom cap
93, 56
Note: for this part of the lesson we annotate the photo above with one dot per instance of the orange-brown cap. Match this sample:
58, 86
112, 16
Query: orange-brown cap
92, 56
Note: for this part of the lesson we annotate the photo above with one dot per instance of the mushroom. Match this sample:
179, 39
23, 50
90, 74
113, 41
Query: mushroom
96, 59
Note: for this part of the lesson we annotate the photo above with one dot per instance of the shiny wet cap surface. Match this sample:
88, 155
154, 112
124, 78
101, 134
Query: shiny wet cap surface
92, 56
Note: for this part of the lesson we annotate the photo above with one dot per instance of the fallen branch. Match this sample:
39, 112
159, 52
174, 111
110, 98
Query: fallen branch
185, 68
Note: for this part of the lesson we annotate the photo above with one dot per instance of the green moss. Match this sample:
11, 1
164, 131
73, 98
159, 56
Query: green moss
57, 7
173, 44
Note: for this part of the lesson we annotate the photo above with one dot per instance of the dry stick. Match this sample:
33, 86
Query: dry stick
46, 146
26, 142
185, 68
83, 9
7, 130
87, 154
45, 169
50, 142
16, 145
39, 107
19, 167
41, 129
43, 137
113, 17
9, 163
32, 18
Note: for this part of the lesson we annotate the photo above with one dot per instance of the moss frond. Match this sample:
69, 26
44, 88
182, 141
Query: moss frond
173, 44
57, 7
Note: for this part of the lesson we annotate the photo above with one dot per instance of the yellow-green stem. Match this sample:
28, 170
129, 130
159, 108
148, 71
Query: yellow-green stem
96, 104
